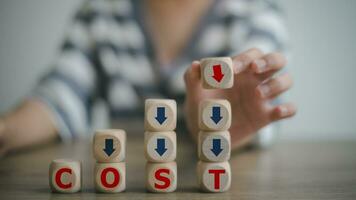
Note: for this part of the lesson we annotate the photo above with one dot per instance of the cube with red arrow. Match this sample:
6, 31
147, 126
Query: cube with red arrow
217, 72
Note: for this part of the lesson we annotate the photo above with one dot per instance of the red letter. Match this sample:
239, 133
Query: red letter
164, 179
59, 175
116, 177
216, 173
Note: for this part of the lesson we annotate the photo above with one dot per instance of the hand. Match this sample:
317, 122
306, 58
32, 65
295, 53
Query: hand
255, 86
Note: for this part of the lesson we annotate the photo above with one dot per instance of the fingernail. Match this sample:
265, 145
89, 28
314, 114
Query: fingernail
283, 110
238, 65
261, 65
196, 62
264, 90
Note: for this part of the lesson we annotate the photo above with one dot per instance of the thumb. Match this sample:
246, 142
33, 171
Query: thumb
192, 80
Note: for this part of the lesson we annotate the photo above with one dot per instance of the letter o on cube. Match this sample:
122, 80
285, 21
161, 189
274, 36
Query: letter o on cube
110, 177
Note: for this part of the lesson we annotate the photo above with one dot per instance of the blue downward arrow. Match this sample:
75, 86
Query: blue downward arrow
161, 115
161, 146
216, 117
109, 147
216, 147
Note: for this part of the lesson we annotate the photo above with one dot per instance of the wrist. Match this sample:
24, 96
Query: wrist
2, 126
3, 147
4, 129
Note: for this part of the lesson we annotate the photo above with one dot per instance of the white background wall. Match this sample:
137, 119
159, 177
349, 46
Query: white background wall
324, 52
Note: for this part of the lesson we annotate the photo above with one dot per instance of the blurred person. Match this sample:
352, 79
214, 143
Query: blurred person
123, 52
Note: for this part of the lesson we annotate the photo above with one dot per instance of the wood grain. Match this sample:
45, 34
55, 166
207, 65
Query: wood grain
318, 170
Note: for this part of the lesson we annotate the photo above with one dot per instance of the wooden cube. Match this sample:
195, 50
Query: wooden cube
160, 146
161, 177
160, 115
65, 176
214, 146
217, 72
110, 177
109, 145
214, 115
214, 177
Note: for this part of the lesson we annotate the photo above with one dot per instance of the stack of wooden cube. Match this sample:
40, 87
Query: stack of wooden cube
160, 145
109, 147
214, 143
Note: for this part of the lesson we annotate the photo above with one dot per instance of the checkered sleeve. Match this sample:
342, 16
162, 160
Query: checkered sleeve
266, 27
67, 89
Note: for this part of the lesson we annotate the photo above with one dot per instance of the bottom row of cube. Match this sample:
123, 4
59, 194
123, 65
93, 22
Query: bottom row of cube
65, 176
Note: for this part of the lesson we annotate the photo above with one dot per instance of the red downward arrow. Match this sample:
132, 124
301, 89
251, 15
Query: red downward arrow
217, 74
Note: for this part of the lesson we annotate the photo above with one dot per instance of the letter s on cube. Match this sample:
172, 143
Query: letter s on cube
161, 177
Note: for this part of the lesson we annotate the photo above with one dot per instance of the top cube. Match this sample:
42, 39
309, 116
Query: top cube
160, 115
217, 72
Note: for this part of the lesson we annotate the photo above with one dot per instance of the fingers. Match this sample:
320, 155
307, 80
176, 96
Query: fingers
274, 86
243, 60
271, 62
283, 111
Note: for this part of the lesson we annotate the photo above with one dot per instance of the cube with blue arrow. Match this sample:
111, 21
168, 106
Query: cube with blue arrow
214, 115
160, 115
160, 146
109, 145
214, 146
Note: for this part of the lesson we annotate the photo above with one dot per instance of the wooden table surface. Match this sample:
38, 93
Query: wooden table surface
313, 170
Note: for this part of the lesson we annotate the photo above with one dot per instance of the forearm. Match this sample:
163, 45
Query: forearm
30, 124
